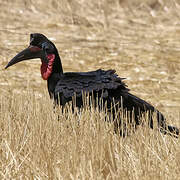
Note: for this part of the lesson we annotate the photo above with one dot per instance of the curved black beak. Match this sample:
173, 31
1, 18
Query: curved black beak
31, 52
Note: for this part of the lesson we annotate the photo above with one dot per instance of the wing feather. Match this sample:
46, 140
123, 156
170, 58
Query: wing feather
94, 81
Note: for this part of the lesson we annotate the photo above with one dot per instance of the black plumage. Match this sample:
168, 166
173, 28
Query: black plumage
104, 85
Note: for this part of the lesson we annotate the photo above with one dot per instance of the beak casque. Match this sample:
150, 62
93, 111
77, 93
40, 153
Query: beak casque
31, 52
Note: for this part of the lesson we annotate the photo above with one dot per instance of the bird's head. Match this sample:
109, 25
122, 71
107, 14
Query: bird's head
40, 47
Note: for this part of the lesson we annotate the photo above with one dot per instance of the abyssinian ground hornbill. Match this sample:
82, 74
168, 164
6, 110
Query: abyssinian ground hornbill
104, 85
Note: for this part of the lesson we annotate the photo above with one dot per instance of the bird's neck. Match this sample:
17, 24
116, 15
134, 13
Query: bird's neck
57, 65
57, 71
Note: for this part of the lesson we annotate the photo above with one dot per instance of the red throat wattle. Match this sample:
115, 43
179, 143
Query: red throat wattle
46, 69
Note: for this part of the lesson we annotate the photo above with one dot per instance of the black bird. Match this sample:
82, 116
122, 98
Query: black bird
104, 85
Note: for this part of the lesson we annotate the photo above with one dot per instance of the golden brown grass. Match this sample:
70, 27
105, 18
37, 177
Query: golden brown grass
140, 39
35, 145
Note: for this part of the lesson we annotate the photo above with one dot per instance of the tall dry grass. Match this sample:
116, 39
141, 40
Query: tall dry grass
36, 145
140, 39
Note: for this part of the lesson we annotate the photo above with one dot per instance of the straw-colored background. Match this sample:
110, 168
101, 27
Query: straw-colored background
140, 39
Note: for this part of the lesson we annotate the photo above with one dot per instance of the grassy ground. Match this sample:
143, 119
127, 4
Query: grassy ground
140, 39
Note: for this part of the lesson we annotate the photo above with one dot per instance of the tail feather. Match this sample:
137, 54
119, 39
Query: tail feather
139, 106
172, 130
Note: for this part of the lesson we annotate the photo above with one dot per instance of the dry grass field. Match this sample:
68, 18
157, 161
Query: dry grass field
138, 38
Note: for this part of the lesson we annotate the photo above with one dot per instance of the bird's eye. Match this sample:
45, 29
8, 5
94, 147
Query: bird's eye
47, 47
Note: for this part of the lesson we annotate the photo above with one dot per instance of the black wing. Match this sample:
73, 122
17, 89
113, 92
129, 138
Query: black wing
106, 83
110, 88
99, 81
